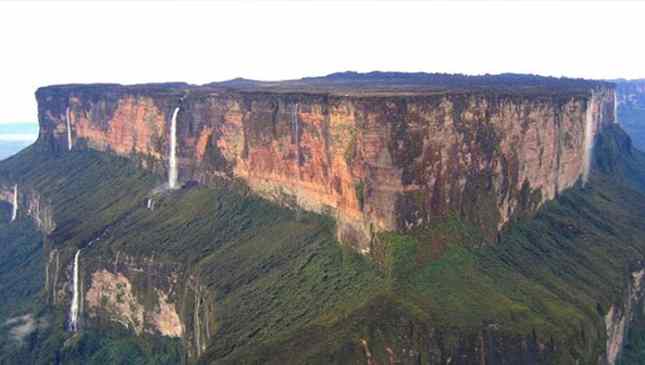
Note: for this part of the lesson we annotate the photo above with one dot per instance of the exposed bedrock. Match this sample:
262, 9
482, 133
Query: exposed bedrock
30, 204
143, 294
619, 319
375, 163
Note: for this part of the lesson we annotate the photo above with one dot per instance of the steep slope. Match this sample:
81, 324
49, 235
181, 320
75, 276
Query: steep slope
81, 196
205, 261
540, 295
242, 280
509, 259
21, 247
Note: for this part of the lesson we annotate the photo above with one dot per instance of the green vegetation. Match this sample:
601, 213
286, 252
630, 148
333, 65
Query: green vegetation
552, 277
117, 346
96, 187
49, 345
549, 275
271, 273
21, 279
20, 247
283, 291
634, 351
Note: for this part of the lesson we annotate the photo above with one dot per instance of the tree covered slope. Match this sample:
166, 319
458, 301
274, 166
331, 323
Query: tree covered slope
279, 288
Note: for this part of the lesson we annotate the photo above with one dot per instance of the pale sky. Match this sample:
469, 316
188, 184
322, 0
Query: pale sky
53, 42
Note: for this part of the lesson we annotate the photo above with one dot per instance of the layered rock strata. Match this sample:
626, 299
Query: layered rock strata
375, 163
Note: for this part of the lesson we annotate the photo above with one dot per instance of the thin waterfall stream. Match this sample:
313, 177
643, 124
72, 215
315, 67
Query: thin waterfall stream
172, 158
14, 211
75, 308
69, 129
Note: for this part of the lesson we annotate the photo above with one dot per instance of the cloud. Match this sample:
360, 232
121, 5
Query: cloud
23, 326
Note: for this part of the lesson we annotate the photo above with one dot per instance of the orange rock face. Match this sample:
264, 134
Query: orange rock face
133, 127
114, 294
111, 295
375, 163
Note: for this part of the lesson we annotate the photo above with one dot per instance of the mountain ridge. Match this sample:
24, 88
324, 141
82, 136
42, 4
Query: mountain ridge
373, 163
544, 304
396, 82
243, 264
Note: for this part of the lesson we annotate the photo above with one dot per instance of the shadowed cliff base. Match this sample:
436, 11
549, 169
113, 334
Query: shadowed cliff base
251, 282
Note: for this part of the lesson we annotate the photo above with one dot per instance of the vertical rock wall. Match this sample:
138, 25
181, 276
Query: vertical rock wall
377, 163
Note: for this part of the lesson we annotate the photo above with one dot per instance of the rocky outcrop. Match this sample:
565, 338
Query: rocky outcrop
112, 294
199, 312
31, 204
620, 316
138, 293
487, 347
52, 273
375, 163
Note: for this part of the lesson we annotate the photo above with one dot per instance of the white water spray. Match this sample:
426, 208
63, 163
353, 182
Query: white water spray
588, 142
69, 129
74, 310
294, 122
615, 107
172, 170
14, 212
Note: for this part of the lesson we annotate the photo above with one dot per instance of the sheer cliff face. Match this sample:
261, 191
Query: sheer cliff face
619, 318
139, 293
31, 204
374, 163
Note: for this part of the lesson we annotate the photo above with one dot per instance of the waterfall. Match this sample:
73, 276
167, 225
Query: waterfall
294, 123
588, 142
74, 310
615, 106
69, 129
197, 329
172, 170
14, 212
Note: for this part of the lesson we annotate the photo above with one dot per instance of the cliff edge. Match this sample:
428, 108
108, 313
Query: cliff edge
378, 152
